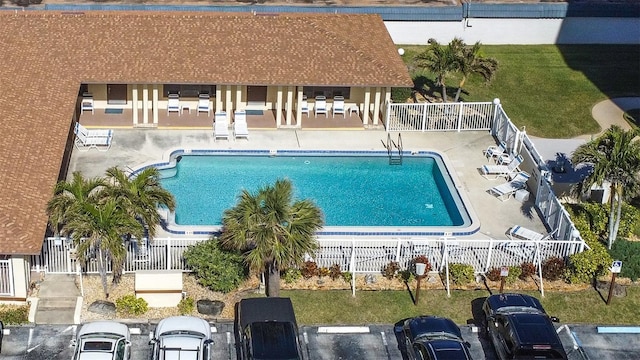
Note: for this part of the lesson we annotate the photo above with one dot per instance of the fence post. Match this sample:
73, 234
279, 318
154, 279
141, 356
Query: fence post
168, 253
352, 267
424, 116
496, 104
486, 268
388, 116
398, 251
460, 116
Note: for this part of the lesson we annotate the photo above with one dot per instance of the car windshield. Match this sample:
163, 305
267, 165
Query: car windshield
95, 345
437, 335
518, 309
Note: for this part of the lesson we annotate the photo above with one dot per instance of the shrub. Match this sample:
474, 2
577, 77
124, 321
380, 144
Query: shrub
461, 274
629, 253
131, 305
629, 221
422, 260
406, 275
309, 269
186, 306
552, 268
291, 275
589, 264
390, 270
14, 314
335, 272
214, 267
400, 95
514, 274
527, 270
347, 276
324, 272
493, 274
596, 218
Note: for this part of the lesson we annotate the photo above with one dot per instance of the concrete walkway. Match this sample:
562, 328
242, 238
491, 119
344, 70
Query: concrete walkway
610, 112
58, 299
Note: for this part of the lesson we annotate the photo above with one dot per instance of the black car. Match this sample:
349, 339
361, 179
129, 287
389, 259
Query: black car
267, 329
519, 328
433, 338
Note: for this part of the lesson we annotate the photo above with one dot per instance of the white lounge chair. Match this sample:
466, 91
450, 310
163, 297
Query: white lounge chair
97, 139
321, 105
87, 103
338, 106
493, 172
495, 151
173, 104
220, 126
522, 233
240, 128
204, 104
91, 132
504, 191
304, 106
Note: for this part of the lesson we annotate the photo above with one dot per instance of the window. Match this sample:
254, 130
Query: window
328, 91
188, 90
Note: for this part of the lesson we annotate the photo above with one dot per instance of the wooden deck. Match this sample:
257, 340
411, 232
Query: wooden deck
101, 119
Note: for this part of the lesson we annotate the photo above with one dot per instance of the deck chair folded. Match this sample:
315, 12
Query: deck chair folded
495, 151
220, 126
304, 106
504, 191
204, 104
240, 128
493, 172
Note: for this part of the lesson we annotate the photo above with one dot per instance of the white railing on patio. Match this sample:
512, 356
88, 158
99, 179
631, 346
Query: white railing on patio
439, 116
6, 278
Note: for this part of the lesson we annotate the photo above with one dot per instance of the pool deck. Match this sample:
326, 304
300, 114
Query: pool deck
135, 147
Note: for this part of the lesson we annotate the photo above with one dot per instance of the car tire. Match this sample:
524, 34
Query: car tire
210, 307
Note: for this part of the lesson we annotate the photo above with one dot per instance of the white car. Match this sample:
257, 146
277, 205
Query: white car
102, 340
181, 338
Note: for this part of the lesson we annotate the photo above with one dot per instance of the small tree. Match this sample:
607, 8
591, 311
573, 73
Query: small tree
440, 60
214, 267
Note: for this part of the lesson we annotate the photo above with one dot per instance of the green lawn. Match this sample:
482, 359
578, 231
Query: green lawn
549, 89
387, 307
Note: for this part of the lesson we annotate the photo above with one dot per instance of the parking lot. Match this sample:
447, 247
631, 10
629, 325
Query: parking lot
319, 343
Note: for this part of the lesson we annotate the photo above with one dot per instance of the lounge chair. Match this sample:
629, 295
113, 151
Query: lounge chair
220, 126
304, 106
522, 233
240, 128
321, 105
204, 104
338, 106
97, 139
87, 103
504, 191
93, 132
493, 172
173, 104
495, 151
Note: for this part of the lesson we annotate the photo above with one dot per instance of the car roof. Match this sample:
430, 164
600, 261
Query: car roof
265, 309
104, 327
534, 329
432, 324
513, 300
274, 340
447, 349
184, 323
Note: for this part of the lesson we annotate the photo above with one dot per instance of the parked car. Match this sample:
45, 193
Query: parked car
102, 340
432, 338
267, 329
181, 337
519, 328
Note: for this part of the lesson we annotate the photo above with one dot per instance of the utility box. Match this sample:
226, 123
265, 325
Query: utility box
159, 288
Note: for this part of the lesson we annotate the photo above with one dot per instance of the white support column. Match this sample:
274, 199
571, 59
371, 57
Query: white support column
134, 99
155, 104
145, 104
289, 104
218, 99
228, 102
279, 107
365, 111
299, 107
387, 101
238, 96
376, 107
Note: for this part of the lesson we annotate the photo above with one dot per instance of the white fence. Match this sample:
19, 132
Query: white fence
6, 278
439, 116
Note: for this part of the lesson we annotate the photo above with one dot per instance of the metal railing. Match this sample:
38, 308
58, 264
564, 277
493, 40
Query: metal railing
439, 116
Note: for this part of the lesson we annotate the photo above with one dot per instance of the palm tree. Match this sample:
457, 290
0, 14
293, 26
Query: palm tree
615, 158
98, 227
273, 231
141, 196
470, 61
440, 60
67, 196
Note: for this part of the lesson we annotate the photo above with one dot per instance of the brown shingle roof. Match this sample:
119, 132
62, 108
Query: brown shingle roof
46, 55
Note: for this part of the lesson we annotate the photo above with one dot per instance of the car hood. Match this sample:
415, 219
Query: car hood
184, 323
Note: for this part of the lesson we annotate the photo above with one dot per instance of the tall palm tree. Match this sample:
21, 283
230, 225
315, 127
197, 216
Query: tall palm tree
440, 60
615, 157
140, 196
274, 231
69, 195
470, 61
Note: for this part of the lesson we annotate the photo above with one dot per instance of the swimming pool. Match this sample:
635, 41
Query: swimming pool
359, 192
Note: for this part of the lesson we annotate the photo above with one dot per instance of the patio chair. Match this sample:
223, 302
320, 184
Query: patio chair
495, 151
173, 104
84, 141
304, 106
493, 172
240, 128
91, 132
338, 106
522, 233
87, 103
505, 159
220, 126
321, 105
504, 191
204, 105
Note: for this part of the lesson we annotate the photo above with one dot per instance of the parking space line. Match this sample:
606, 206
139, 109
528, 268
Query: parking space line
343, 330
618, 329
386, 345
229, 347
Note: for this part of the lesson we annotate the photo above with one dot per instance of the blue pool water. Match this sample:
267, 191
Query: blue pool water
350, 190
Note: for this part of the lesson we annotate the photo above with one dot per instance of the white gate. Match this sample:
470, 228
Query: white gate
6, 278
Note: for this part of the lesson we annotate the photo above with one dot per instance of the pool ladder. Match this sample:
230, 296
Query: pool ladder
394, 150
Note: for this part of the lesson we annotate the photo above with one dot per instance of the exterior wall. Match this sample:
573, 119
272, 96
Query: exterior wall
519, 31
20, 276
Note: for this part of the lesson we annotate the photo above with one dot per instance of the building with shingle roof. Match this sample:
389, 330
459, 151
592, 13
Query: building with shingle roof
128, 63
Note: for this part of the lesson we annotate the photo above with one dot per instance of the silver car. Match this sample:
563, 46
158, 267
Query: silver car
102, 340
181, 337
